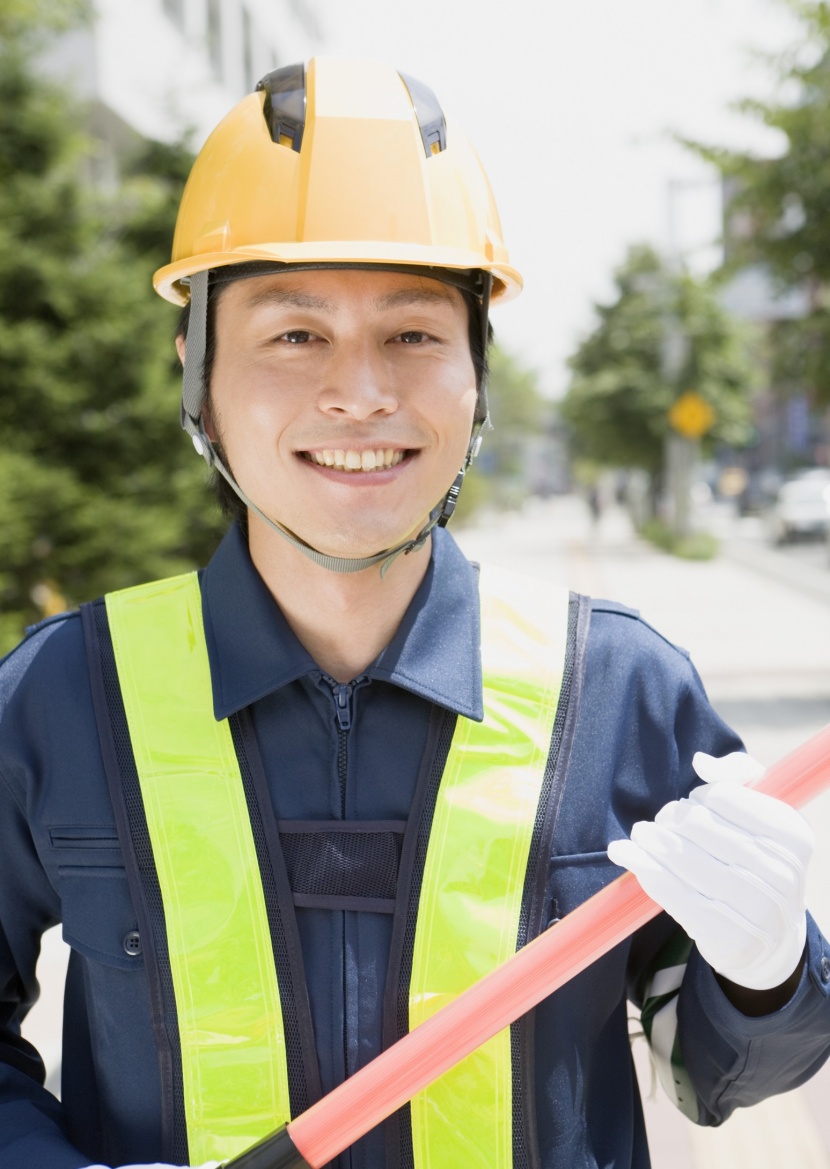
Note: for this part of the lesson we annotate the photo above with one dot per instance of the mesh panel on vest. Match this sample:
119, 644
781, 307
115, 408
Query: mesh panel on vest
289, 995
334, 862
404, 1114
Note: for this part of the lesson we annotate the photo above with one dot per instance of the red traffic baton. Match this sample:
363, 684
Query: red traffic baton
360, 1103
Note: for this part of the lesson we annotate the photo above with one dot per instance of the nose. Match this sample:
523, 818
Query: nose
357, 383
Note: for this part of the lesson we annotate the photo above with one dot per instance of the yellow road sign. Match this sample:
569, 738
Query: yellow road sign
691, 415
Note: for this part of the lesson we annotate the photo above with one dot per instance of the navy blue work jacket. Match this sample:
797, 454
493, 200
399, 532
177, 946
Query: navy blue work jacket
642, 714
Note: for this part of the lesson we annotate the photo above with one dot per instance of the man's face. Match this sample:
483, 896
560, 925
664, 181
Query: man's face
343, 400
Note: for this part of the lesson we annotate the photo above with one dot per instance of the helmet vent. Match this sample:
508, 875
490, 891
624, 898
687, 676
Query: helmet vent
285, 100
431, 120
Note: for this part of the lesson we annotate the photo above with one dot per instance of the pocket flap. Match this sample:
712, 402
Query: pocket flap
98, 915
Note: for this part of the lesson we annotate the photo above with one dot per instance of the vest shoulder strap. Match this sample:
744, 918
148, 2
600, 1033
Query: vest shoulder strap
218, 938
477, 860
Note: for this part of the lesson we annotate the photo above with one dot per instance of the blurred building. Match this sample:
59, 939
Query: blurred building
160, 68
791, 432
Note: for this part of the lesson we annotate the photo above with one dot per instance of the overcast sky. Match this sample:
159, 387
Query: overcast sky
570, 104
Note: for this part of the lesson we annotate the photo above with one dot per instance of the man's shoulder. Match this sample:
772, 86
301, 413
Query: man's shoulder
617, 620
55, 619
602, 605
49, 650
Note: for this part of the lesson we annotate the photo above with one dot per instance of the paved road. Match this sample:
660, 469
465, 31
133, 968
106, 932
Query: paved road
757, 624
759, 633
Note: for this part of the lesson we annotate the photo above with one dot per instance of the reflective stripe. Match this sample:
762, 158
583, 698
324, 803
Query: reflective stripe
474, 875
227, 997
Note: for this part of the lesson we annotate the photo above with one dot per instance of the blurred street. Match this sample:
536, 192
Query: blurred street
758, 627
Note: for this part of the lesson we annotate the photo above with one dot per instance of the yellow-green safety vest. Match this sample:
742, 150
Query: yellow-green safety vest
205, 869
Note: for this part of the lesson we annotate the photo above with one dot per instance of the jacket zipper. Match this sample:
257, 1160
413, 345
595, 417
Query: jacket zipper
343, 694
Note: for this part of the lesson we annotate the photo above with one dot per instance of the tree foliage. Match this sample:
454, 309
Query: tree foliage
623, 383
517, 410
97, 488
25, 22
516, 405
779, 209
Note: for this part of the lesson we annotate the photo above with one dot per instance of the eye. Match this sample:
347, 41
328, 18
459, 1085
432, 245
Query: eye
413, 337
296, 337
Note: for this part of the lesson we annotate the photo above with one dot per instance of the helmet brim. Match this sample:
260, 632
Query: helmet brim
170, 281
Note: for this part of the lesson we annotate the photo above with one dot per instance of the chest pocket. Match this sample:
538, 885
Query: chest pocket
345, 865
98, 919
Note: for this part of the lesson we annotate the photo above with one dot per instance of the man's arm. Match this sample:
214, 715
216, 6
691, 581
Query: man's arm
32, 1125
736, 1059
32, 1130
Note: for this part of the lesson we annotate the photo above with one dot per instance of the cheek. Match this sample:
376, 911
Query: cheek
249, 408
457, 413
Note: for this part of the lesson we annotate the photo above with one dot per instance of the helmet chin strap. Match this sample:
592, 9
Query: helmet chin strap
193, 395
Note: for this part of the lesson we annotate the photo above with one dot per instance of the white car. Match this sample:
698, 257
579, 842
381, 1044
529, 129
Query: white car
801, 509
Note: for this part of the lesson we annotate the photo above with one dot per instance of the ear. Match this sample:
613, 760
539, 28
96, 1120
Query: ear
180, 347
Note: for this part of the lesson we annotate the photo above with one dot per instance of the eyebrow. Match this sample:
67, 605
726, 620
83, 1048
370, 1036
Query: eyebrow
407, 296
290, 296
400, 298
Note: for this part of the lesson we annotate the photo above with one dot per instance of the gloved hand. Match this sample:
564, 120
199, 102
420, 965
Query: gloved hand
729, 865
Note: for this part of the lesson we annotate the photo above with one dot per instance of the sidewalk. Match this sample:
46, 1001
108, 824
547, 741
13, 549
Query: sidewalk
762, 646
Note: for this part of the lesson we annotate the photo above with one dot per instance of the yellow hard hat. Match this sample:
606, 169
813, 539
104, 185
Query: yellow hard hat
344, 162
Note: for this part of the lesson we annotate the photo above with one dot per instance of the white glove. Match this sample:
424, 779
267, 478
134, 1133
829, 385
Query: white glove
729, 865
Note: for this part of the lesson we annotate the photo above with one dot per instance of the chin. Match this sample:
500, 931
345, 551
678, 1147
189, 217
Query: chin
355, 543
356, 549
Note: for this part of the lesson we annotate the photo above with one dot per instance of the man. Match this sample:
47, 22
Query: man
288, 807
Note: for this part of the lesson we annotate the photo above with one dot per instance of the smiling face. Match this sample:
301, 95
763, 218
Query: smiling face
343, 401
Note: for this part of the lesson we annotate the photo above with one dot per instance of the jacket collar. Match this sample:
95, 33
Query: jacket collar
436, 652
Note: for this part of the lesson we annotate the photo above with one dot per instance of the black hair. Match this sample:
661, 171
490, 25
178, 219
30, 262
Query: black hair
229, 502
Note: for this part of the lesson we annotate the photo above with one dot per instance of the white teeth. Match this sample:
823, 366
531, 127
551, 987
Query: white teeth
380, 459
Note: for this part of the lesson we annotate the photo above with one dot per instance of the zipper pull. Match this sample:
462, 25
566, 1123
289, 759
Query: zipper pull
342, 693
343, 706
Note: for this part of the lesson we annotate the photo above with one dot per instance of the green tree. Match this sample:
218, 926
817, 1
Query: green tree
778, 209
28, 22
517, 410
623, 383
97, 487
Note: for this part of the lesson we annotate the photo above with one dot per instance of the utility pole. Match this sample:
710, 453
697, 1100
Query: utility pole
690, 416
